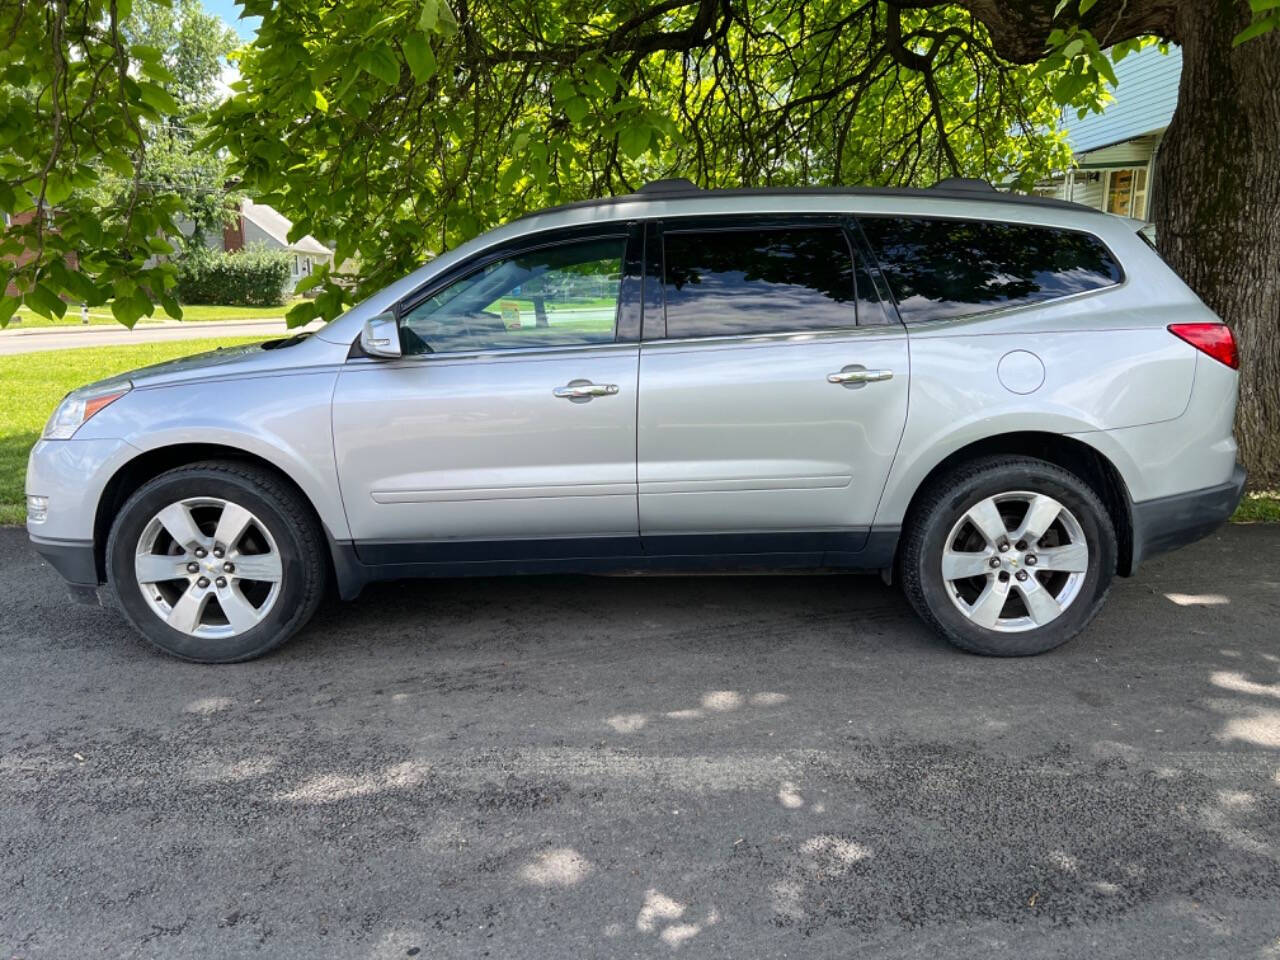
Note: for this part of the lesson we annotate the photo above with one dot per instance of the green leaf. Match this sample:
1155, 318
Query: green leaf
446, 22
1103, 66
417, 53
158, 99
171, 306
56, 188
1072, 48
429, 16
634, 141
437, 17
1253, 30
1086, 6
507, 182
576, 109
300, 314
118, 163
309, 281
318, 99
563, 88
128, 310
45, 302
379, 62
73, 282
1259, 6
7, 307
1062, 5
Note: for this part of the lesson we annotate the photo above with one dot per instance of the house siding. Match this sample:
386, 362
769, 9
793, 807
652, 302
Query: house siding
1126, 136
1144, 101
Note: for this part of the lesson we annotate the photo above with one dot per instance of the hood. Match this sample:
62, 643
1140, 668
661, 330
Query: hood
251, 358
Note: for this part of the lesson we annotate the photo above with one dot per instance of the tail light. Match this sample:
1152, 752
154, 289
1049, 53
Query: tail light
1215, 339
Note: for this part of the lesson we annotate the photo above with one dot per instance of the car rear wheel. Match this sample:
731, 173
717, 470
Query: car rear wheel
1008, 556
216, 562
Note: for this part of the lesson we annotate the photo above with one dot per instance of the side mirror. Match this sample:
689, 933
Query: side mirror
381, 336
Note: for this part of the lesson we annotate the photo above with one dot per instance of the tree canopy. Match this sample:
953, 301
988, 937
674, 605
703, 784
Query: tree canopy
398, 129
402, 128
99, 108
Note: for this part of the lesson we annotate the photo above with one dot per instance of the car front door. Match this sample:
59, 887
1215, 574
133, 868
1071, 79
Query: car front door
507, 430
773, 389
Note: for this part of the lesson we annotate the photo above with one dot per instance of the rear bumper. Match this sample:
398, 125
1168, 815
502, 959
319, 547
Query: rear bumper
1172, 522
73, 559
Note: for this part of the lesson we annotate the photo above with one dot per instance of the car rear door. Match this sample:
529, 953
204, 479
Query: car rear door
773, 389
507, 431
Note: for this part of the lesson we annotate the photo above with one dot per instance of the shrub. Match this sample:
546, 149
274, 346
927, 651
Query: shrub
253, 277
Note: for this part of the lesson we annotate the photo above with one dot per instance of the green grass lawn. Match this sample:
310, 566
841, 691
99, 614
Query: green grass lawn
1260, 506
196, 312
31, 384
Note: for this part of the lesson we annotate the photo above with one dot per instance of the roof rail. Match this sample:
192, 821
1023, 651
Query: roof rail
964, 183
671, 185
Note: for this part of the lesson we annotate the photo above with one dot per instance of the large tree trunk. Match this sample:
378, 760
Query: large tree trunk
1217, 204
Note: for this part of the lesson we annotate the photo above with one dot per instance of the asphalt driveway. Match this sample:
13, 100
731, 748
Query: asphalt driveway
605, 767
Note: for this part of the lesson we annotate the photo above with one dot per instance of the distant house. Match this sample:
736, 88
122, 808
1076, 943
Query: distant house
258, 223
1115, 151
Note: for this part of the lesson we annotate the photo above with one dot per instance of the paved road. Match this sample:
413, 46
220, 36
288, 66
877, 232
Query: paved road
18, 340
579, 768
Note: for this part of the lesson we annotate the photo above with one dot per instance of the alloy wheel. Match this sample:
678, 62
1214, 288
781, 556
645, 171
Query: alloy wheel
208, 567
1015, 561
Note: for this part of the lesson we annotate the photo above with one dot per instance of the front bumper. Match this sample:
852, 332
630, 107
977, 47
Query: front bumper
75, 560
1172, 522
71, 475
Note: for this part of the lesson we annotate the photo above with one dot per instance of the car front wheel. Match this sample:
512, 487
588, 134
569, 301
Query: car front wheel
1008, 556
216, 562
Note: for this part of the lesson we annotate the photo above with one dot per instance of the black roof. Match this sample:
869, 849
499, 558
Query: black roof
952, 188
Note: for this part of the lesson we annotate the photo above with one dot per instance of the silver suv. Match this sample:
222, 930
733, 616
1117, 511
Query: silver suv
1000, 401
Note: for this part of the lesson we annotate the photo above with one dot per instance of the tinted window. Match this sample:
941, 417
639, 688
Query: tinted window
733, 282
949, 268
556, 296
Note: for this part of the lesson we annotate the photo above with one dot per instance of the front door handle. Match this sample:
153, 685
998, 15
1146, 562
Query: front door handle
855, 375
581, 391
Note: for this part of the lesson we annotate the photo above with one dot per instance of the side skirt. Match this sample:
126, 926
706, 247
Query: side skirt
357, 563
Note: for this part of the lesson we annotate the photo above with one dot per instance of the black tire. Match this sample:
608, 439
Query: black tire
290, 522
949, 498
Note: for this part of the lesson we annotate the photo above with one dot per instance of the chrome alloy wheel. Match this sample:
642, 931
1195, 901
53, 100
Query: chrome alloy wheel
1015, 561
208, 567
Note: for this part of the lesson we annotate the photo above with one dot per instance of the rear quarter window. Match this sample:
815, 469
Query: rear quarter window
939, 269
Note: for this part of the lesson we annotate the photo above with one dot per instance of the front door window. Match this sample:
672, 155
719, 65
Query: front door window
563, 295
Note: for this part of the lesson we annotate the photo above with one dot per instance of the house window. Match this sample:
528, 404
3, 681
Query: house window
297, 267
1127, 192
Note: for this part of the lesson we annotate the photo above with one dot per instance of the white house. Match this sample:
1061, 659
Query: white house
258, 223
1115, 151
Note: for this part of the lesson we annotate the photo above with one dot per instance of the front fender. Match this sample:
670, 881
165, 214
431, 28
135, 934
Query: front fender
283, 419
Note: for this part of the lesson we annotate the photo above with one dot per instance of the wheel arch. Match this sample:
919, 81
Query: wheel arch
1085, 461
149, 464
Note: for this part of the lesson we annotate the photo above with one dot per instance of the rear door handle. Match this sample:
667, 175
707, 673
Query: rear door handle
581, 391
855, 375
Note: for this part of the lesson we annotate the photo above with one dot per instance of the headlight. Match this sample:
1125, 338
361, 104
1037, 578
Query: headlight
78, 406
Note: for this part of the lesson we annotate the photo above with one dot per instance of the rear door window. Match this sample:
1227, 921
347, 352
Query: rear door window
938, 269
739, 282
